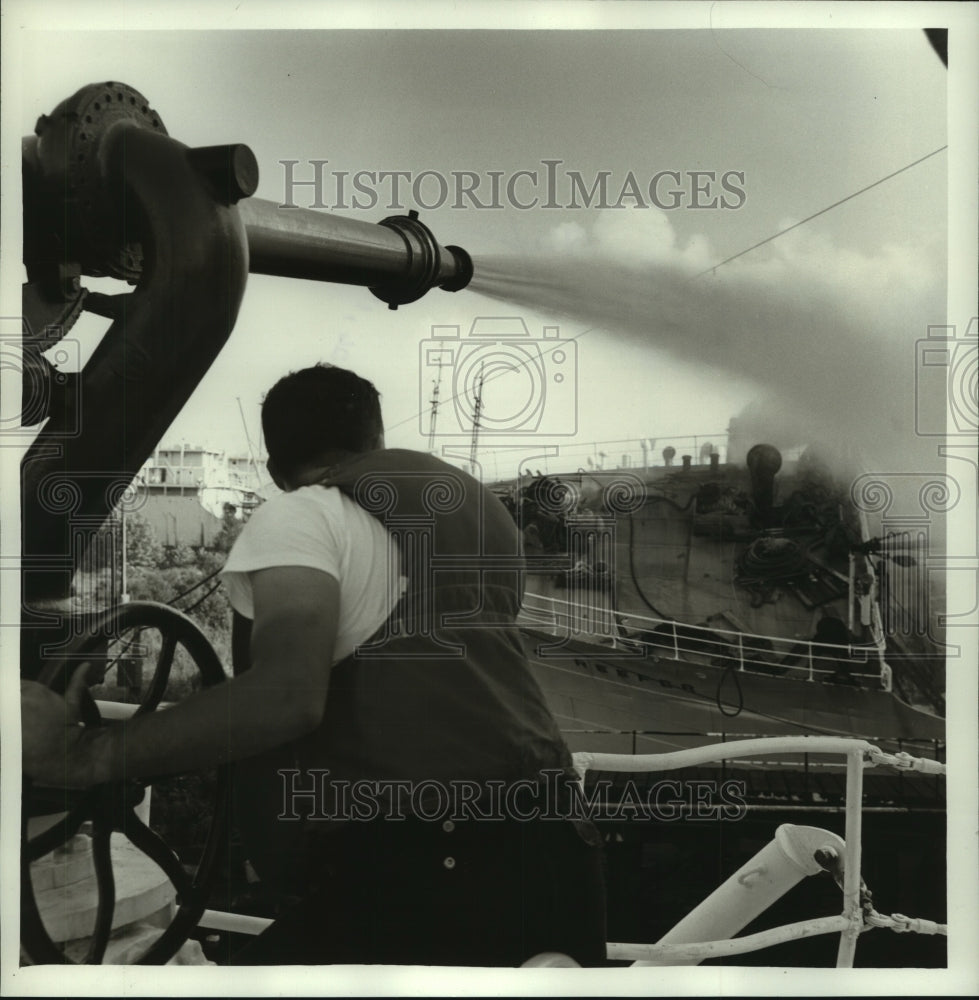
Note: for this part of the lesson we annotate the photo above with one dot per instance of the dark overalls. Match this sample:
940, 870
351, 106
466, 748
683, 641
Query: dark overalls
439, 835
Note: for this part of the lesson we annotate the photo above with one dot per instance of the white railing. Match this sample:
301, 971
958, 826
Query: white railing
798, 659
729, 908
892, 744
636, 455
876, 620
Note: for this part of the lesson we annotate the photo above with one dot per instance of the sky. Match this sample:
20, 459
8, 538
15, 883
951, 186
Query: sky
812, 335
794, 119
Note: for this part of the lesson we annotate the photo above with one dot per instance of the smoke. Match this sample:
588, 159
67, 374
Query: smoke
827, 335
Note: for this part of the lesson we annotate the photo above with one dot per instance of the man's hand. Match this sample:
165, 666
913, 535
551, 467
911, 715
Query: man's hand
280, 698
56, 747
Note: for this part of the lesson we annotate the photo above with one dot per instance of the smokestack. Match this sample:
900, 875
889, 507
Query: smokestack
764, 460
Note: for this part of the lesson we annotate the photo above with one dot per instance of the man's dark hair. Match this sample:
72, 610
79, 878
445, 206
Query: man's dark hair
317, 410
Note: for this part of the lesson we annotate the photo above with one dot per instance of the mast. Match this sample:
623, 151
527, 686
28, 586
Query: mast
435, 408
248, 439
123, 593
477, 410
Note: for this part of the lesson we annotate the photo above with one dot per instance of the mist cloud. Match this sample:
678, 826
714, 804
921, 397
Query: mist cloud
827, 335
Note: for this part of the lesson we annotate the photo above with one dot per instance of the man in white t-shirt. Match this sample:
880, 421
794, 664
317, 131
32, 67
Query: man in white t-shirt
324, 530
392, 742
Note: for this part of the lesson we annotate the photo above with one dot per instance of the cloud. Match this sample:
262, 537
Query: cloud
632, 237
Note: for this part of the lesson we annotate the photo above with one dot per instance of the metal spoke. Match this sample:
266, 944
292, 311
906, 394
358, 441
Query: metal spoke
35, 941
161, 675
104, 879
155, 848
62, 831
111, 807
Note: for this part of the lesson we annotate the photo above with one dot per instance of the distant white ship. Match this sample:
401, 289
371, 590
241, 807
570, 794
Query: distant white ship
189, 490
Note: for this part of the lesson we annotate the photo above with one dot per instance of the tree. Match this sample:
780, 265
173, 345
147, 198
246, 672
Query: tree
143, 548
230, 529
102, 554
177, 555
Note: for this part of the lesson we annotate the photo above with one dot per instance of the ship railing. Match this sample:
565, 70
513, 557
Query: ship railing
635, 455
797, 659
708, 930
918, 745
876, 619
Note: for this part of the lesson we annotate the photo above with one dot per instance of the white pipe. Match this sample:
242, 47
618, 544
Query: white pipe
584, 761
775, 869
550, 960
239, 923
115, 710
851, 871
692, 954
119, 711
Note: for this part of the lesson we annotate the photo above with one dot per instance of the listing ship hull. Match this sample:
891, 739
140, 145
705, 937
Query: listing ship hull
643, 704
693, 611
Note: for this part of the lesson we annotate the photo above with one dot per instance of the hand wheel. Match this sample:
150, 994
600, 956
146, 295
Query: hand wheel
110, 807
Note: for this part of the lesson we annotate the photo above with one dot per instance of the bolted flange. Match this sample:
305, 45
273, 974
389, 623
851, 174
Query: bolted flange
69, 142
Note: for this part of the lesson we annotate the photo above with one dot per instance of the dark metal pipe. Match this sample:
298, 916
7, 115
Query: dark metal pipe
398, 258
112, 192
108, 192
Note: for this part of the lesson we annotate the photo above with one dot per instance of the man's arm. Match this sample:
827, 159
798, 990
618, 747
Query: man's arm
281, 698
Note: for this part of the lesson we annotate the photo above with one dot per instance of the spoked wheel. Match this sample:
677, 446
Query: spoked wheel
111, 807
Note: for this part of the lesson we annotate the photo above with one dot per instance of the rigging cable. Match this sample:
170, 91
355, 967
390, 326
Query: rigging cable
822, 211
632, 572
194, 586
201, 600
730, 668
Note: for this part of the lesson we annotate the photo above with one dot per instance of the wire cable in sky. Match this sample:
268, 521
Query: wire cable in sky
822, 211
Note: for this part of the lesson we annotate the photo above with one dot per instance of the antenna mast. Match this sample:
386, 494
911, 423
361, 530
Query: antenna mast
435, 408
248, 439
477, 410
